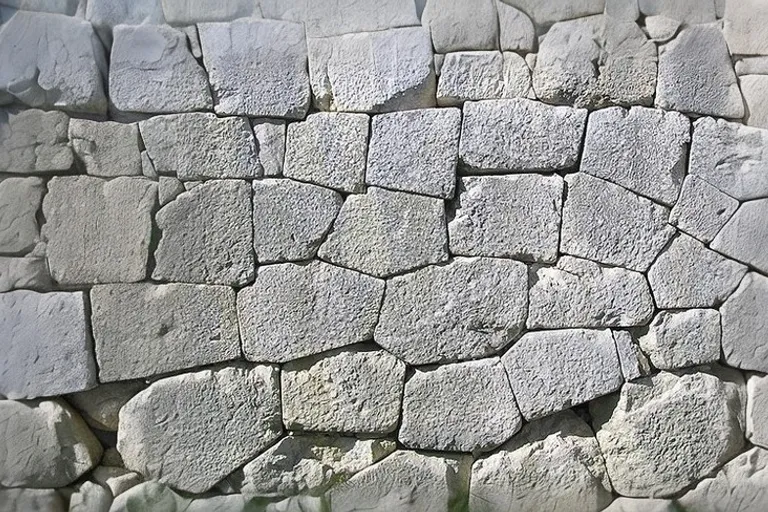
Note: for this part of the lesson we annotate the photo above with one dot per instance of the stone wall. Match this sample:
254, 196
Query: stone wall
327, 255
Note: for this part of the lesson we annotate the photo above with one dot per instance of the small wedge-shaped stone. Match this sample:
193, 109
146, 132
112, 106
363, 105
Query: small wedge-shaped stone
606, 223
634, 364
44, 444
580, 293
296, 310
20, 200
270, 139
198, 146
744, 318
745, 236
24, 273
106, 148
455, 26
101, 405
554, 370
757, 409
520, 135
383, 233
192, 430
663, 433
702, 210
678, 339
207, 235
462, 407
34, 142
553, 464
469, 308
343, 391
482, 76
688, 275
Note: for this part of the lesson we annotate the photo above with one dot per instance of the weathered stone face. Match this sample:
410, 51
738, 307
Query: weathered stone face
679, 339
106, 149
34, 142
20, 200
743, 321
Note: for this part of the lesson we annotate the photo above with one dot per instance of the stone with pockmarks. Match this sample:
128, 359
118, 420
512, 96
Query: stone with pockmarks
456, 26
106, 148
678, 339
744, 318
757, 409
487, 75
20, 200
702, 209
745, 236
34, 142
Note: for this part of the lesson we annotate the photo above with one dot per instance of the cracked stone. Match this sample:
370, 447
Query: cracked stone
456, 26
678, 339
634, 364
168, 189
34, 142
744, 324
107, 149
20, 200
757, 410
482, 76
745, 236
702, 210
101, 405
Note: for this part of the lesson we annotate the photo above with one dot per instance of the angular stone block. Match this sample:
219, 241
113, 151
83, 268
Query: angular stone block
456, 26
106, 149
678, 339
168, 189
634, 364
270, 139
34, 142
753, 88
702, 210
745, 236
474, 76
757, 409
744, 320
24, 273
100, 406
20, 200
516, 30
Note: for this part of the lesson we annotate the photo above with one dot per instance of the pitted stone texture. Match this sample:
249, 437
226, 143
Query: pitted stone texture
152, 71
291, 219
509, 216
580, 293
641, 149
270, 139
406, 480
469, 308
188, 13
745, 235
744, 319
192, 430
34, 142
383, 233
678, 339
48, 500
520, 135
45, 444
516, 30
105, 15
145, 329
688, 12
464, 407
634, 364
328, 149
702, 210
415, 151
296, 310
106, 148
373, 71
554, 370
744, 27
24, 273
101, 405
456, 26
46, 345
482, 76
198, 146
757, 409
20, 200
207, 235
696, 74
552, 464
343, 391
688, 275
611, 225
663, 433
546, 12
595, 62
753, 88
257, 67
52, 61
98, 231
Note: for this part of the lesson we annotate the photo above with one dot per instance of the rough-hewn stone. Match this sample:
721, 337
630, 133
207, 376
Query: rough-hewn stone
623, 504
482, 76
689, 12
753, 89
634, 364
106, 149
516, 30
678, 339
661, 29
90, 497
105, 15
744, 27
48, 500
745, 236
757, 409
456, 26
186, 13
702, 209
34, 142
101, 405
744, 321
546, 12
20, 200
168, 189
24, 273
270, 139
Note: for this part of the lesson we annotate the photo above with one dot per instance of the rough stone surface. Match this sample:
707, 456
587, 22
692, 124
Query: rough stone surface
186, 13
469, 308
546, 12
516, 30
456, 26
101, 405
24, 273
482, 76
702, 210
678, 339
747, 65
168, 189
106, 148
295, 310
757, 409
117, 480
90, 497
324, 18
34, 142
270, 139
634, 364
47, 500
753, 88
20, 200
745, 236
192, 430
661, 29
744, 323
744, 27
345, 391
689, 12
105, 15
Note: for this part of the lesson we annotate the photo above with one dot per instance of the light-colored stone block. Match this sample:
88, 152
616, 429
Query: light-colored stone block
744, 322
679, 339
34, 142
702, 209
107, 149
20, 200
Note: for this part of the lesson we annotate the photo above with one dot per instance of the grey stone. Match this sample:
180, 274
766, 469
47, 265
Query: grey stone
46, 345
257, 67
151, 496
552, 464
696, 74
748, 65
415, 151
469, 308
90, 497
465, 407
192, 430
626, 10
369, 234
147, 166
744, 322
745, 236
328, 149
206, 235
641, 505
663, 433
186, 13
661, 29
678, 339
152, 71
293, 311
39, 500
168, 189
68, 7
20, 273
516, 30
688, 275
45, 444
753, 89
356, 391
757, 409
197, 146
270, 140
101, 405
20, 200
105, 15
520, 135
553, 370
744, 27
117, 480
324, 18
687, 12
509, 216
291, 219
106, 148
373, 71
546, 12
98, 231
456, 26
33, 141
634, 364
580, 293
702, 209
611, 225
481, 76
642, 149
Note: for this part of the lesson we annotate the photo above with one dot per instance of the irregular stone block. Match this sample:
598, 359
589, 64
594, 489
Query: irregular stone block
744, 27
482, 76
28, 272
757, 410
98, 231
20, 200
744, 322
520, 135
678, 339
101, 405
149, 495
546, 12
34, 142
323, 18
116, 480
633, 362
257, 67
551, 462
687, 12
745, 236
702, 210
188, 13
168, 189
90, 497
370, 236
456, 26
753, 88
328, 149
641, 505
206, 235
469, 308
580, 293
47, 348
68, 7
106, 149
343, 391
270, 140
508, 216
192, 430
554, 370
625, 10
293, 311
48, 500
747, 65
660, 28
105, 15
415, 151
516, 30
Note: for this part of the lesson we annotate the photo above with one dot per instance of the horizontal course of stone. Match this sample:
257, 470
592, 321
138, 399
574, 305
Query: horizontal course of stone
384, 255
